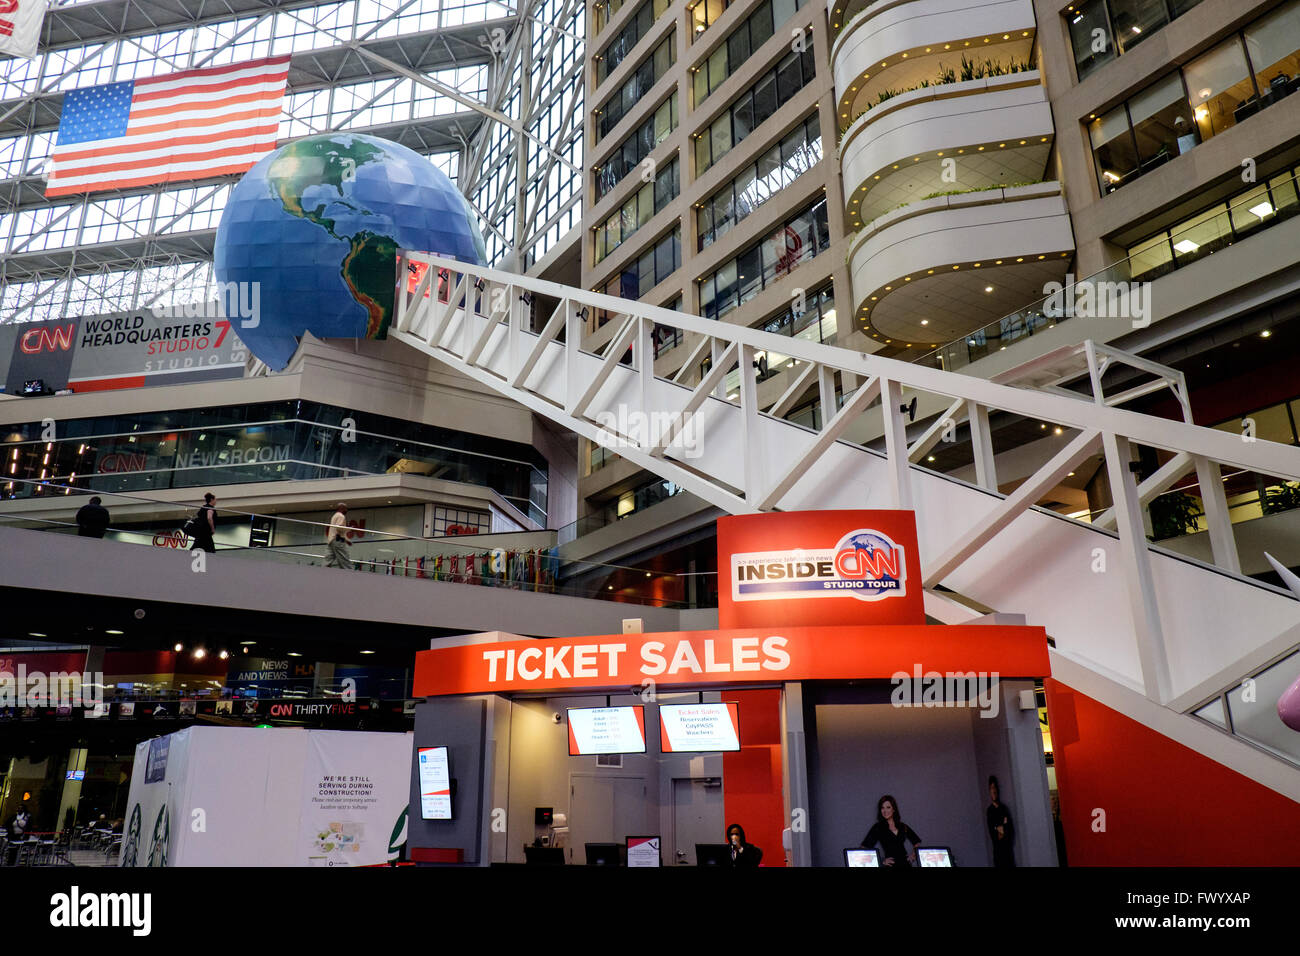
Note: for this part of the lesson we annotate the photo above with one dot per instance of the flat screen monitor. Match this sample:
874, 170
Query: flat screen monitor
606, 730
603, 854
861, 856
699, 728
435, 784
933, 856
712, 854
544, 855
643, 851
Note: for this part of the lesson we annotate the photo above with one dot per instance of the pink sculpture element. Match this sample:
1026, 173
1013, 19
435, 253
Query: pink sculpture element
1288, 706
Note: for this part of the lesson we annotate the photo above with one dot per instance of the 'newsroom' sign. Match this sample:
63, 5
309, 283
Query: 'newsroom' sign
819, 568
121, 350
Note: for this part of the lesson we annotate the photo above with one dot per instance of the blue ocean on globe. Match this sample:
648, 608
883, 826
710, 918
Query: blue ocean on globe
317, 224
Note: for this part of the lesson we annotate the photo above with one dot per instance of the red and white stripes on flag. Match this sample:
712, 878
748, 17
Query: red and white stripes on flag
183, 126
20, 26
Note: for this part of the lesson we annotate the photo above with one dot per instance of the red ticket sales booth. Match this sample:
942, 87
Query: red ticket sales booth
821, 689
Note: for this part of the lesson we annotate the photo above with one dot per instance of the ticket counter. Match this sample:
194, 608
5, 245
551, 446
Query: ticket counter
864, 700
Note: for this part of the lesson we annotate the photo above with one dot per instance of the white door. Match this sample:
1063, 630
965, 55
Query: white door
697, 817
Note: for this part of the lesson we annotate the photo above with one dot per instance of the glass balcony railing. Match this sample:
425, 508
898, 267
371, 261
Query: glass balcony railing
1253, 717
1258, 209
521, 561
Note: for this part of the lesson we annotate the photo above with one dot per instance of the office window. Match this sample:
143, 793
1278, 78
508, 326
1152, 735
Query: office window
1090, 37
636, 87
1162, 121
653, 267
796, 153
636, 147
1218, 84
1113, 148
704, 14
740, 44
1135, 20
1272, 43
639, 209
800, 238
1249, 211
1102, 29
609, 58
750, 109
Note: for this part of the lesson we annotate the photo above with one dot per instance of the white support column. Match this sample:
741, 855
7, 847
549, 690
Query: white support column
900, 485
1223, 543
751, 431
826, 392
981, 440
1136, 568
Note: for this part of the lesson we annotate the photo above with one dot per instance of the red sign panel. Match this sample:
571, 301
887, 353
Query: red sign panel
819, 568
735, 656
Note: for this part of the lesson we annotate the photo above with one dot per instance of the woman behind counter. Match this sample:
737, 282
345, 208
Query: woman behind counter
891, 832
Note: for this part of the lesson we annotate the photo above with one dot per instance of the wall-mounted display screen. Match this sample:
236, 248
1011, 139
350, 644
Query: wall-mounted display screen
606, 730
699, 728
435, 784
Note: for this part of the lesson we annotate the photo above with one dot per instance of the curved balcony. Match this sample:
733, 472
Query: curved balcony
962, 136
938, 268
891, 47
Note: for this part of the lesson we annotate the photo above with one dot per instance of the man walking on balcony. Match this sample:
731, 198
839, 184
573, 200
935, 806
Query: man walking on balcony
336, 539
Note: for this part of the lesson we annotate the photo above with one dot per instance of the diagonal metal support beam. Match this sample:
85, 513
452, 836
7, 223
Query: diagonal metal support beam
830, 434
1034, 487
1164, 478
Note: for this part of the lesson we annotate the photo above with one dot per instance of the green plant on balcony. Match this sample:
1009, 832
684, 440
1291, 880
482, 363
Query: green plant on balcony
976, 189
969, 70
1279, 498
1174, 515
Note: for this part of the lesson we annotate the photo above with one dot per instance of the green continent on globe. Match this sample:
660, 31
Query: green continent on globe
367, 268
368, 272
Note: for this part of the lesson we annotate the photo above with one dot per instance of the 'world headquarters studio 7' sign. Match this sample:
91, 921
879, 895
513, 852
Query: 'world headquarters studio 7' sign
121, 350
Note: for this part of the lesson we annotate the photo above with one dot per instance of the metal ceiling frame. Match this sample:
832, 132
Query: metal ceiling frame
133, 20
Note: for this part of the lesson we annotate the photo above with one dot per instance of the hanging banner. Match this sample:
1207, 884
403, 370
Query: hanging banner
20, 26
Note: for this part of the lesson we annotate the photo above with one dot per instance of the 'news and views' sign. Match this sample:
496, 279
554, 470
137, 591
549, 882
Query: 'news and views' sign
819, 568
121, 350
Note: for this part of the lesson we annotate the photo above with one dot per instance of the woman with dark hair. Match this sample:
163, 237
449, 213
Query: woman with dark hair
742, 854
204, 525
892, 834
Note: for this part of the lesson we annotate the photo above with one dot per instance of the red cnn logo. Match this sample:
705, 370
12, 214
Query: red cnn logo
47, 340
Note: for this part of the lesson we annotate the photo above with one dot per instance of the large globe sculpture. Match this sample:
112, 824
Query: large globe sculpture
317, 225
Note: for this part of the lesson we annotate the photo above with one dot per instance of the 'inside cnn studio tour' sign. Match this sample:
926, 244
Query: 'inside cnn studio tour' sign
819, 568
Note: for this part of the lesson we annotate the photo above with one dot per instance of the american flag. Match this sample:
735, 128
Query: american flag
164, 129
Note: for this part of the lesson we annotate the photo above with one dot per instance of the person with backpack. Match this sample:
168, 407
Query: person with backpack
92, 519
203, 525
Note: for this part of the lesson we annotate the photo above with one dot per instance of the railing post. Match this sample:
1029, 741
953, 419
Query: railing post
750, 433
1136, 568
1223, 543
900, 485
981, 440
